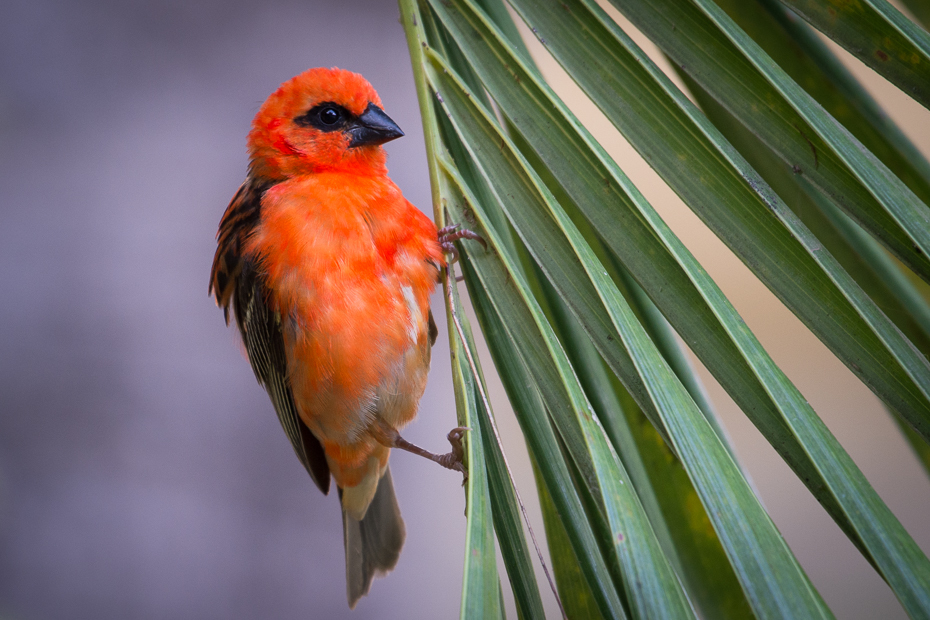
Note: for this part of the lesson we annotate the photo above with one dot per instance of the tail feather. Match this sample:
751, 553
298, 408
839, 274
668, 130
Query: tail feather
373, 544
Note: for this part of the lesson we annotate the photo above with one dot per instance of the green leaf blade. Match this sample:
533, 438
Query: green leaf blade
480, 583
494, 490
782, 405
741, 523
877, 34
701, 39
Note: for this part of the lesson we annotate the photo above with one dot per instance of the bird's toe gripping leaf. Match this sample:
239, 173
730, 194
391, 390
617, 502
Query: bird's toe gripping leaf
388, 436
448, 235
456, 459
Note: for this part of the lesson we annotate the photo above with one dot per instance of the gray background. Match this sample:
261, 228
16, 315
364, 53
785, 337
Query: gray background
143, 473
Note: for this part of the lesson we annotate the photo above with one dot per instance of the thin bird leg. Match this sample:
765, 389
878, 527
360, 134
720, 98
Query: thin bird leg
387, 435
450, 234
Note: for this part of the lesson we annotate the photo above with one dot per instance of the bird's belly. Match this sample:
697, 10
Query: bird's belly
358, 349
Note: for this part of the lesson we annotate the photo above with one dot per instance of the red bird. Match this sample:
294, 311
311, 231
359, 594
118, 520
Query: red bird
329, 270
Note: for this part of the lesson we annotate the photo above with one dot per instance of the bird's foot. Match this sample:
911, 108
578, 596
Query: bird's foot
388, 436
456, 459
448, 235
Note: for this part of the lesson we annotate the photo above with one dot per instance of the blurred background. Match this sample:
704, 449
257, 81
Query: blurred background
143, 473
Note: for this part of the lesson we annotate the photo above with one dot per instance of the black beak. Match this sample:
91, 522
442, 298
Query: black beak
373, 127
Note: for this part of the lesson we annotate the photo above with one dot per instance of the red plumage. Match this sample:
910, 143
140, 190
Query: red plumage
328, 270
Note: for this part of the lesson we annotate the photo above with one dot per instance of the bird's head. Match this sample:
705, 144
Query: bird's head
323, 119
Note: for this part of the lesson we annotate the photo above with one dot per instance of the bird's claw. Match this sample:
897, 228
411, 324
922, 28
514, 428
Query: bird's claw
456, 459
387, 435
448, 235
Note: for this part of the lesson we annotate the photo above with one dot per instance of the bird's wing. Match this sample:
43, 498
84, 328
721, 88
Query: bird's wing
240, 218
264, 342
433, 330
236, 281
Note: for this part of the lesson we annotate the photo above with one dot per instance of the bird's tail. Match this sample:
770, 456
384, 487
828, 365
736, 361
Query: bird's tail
373, 544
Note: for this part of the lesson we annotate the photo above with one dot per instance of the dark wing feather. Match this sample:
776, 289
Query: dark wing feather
261, 332
238, 221
433, 330
236, 281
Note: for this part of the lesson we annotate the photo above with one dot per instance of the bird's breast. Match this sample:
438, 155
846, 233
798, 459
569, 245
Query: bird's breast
347, 265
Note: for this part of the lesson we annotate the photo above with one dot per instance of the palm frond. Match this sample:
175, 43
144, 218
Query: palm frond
583, 288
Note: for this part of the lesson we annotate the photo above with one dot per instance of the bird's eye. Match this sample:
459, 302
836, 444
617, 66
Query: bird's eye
329, 116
